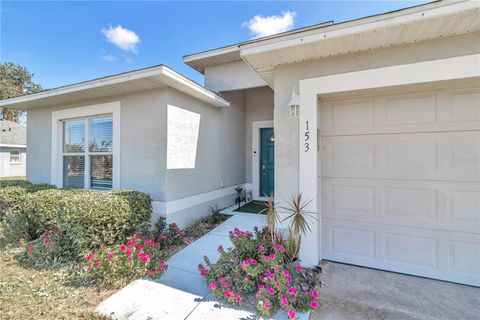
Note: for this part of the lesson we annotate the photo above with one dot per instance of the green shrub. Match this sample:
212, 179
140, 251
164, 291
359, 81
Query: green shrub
14, 183
91, 218
42, 207
39, 187
52, 249
141, 207
12, 199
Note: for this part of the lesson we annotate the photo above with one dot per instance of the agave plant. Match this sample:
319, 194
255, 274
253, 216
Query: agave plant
298, 217
272, 216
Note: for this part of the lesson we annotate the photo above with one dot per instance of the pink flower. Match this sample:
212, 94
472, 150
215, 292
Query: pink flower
228, 294
259, 294
270, 290
123, 247
220, 248
203, 272
213, 286
131, 243
90, 256
314, 294
161, 262
284, 300
136, 236
261, 287
261, 248
129, 251
139, 247
97, 263
266, 259
313, 304
238, 298
150, 272
279, 248
272, 277
293, 291
277, 284
291, 314
298, 268
130, 258
110, 256
272, 256
285, 272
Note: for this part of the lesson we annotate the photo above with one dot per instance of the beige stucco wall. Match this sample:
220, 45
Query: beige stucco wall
143, 163
287, 77
231, 76
220, 156
259, 107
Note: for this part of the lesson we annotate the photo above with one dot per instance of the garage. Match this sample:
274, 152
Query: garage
400, 180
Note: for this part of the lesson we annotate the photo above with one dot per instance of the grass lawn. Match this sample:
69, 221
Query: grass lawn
33, 294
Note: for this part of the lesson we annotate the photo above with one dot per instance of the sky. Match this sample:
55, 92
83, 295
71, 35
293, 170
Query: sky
67, 42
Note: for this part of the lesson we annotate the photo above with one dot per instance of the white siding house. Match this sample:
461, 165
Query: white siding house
13, 149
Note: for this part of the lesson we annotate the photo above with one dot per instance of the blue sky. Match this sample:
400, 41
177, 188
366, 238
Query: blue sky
67, 42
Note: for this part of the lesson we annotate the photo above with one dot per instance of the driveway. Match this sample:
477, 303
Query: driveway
362, 293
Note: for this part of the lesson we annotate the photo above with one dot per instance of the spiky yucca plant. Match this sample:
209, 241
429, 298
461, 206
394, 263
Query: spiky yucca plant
272, 216
298, 216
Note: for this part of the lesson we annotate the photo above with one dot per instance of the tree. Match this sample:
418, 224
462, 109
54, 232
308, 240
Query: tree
15, 80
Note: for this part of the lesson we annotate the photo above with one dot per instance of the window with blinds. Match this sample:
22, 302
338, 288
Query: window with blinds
88, 165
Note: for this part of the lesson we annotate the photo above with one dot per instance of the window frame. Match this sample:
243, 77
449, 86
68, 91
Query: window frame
19, 162
87, 112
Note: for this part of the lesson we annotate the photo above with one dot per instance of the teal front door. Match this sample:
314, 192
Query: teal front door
267, 165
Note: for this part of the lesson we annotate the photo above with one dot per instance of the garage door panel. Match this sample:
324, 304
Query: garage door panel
418, 112
437, 254
436, 205
447, 156
400, 183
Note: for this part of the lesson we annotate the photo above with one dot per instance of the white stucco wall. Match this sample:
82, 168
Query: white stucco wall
231, 76
287, 79
12, 170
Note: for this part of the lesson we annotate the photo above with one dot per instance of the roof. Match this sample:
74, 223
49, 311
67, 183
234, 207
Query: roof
423, 22
122, 83
12, 134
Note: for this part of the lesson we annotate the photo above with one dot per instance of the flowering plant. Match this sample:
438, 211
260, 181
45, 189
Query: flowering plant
139, 256
255, 268
51, 249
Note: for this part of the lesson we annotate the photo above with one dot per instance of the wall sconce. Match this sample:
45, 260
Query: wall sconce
294, 105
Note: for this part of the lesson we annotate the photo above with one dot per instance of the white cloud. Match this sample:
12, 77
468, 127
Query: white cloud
108, 57
121, 37
261, 26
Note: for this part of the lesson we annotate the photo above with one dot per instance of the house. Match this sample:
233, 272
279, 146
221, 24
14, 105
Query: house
376, 121
13, 148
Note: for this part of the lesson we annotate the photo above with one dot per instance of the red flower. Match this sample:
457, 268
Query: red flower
123, 247
110, 256
90, 256
161, 262
136, 236
229, 294
129, 251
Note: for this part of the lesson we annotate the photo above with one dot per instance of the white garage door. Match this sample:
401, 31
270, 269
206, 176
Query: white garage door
400, 183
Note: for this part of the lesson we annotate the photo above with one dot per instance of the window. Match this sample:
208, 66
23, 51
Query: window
15, 157
88, 152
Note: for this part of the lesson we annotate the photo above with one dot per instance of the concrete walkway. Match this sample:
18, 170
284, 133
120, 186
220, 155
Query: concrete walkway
181, 293
358, 293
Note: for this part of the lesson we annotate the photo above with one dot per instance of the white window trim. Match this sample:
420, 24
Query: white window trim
256, 126
113, 108
19, 157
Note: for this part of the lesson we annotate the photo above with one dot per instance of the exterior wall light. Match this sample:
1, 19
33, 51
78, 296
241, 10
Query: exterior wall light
294, 105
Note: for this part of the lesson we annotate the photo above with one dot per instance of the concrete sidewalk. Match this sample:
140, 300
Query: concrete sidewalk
181, 293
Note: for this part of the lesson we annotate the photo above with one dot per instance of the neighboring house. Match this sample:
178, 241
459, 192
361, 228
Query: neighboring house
375, 120
13, 148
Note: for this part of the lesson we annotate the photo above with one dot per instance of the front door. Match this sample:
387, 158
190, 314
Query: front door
267, 158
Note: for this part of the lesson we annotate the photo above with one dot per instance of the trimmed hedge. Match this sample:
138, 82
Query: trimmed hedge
88, 218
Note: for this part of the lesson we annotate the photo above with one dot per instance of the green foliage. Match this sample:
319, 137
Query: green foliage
272, 216
91, 218
15, 81
52, 249
11, 200
14, 183
140, 205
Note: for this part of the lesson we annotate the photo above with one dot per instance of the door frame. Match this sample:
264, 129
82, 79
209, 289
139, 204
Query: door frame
256, 126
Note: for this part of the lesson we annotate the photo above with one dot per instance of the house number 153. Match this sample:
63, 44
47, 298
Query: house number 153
307, 137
